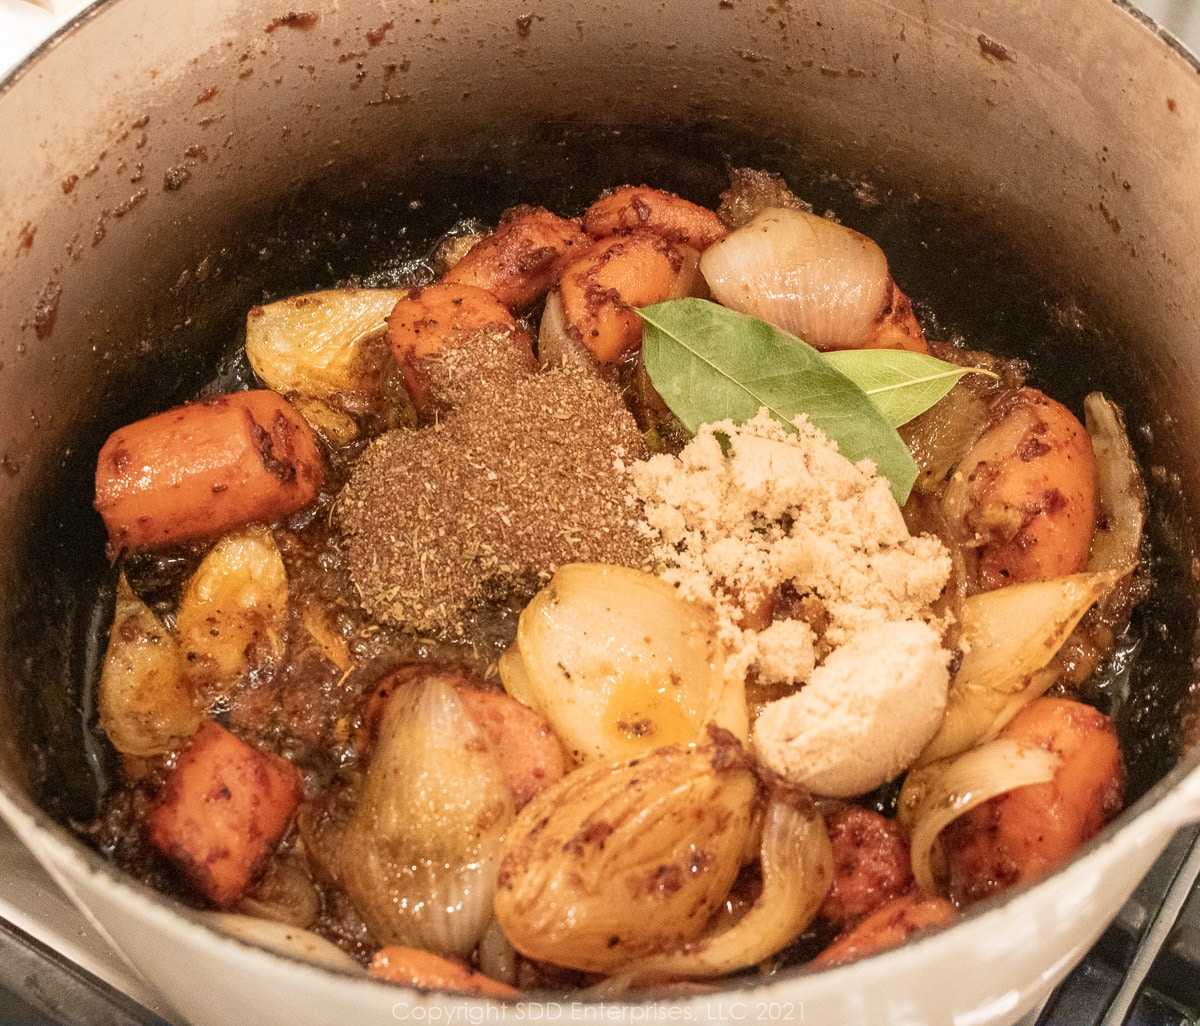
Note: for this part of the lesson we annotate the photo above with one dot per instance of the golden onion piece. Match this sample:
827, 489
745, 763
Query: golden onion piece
818, 280
1121, 490
936, 795
620, 664
620, 861
312, 345
146, 707
419, 855
234, 610
797, 870
1009, 636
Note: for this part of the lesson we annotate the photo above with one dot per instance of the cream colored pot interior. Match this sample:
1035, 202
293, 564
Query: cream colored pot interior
167, 165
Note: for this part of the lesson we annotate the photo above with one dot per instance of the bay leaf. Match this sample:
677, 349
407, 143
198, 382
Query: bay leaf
709, 363
902, 385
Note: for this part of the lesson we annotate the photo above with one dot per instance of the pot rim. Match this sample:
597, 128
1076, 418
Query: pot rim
1170, 803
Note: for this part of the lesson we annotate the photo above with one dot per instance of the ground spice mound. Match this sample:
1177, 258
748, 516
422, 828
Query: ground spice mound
493, 499
758, 518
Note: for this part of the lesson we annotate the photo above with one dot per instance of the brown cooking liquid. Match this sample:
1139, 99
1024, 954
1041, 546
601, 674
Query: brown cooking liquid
309, 707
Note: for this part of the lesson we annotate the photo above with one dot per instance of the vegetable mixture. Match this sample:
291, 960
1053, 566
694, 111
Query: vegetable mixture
643, 601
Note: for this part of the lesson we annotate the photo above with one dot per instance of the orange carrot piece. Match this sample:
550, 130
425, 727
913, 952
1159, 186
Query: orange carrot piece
198, 470
418, 968
521, 260
620, 272
1025, 833
530, 754
224, 808
639, 208
888, 927
426, 323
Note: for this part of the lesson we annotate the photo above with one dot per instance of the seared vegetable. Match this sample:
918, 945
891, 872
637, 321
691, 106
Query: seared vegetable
639, 208
617, 862
234, 610
797, 867
529, 754
1011, 636
314, 344
417, 968
286, 939
146, 706
620, 664
224, 808
1025, 833
426, 323
520, 261
1025, 493
888, 927
419, 855
196, 471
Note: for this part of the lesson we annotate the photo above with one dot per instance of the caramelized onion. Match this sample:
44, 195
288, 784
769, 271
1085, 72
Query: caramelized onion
616, 862
797, 871
1009, 636
936, 795
1121, 490
146, 707
620, 664
419, 855
824, 283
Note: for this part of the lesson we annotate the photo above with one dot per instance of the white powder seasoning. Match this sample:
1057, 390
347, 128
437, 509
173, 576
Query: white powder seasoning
746, 512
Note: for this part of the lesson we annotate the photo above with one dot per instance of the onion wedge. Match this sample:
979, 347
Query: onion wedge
1121, 490
620, 664
1010, 636
936, 795
797, 868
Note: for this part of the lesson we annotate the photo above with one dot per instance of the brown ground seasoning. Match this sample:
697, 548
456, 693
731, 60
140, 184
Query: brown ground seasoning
515, 481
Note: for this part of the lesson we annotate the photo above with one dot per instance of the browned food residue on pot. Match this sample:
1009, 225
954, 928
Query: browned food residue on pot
174, 178
524, 25
302, 20
45, 313
25, 235
69, 183
1171, 105
376, 36
992, 50
206, 96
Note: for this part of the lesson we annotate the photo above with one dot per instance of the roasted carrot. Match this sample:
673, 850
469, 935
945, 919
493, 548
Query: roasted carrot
638, 207
530, 754
196, 471
418, 968
617, 273
887, 927
222, 811
424, 326
871, 864
521, 260
1025, 833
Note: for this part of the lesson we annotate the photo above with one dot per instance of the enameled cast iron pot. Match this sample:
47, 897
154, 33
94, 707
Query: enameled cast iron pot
165, 166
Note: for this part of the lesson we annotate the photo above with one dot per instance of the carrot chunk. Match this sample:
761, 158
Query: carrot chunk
223, 810
887, 927
419, 968
530, 754
871, 864
640, 208
425, 326
198, 470
521, 260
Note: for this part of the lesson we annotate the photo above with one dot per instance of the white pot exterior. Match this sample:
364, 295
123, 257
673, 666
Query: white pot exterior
999, 961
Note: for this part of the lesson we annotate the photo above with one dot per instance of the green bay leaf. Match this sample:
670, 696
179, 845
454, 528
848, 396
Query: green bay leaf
709, 363
902, 385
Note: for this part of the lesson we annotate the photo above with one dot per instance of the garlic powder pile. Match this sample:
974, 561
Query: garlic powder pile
781, 512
